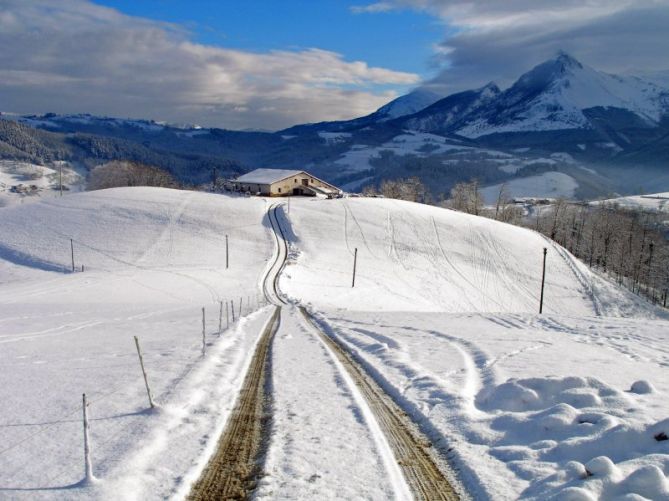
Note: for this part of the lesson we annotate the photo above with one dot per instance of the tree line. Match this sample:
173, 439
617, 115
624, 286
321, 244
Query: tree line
628, 244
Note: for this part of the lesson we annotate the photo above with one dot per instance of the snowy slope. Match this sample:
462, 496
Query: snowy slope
443, 314
153, 258
564, 405
25, 182
449, 113
650, 202
546, 185
414, 257
407, 105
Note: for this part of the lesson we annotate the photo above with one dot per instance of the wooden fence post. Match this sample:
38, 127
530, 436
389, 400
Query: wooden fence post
543, 281
203, 338
355, 264
146, 380
88, 464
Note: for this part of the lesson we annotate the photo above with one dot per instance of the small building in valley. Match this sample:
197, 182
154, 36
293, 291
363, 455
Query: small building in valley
281, 183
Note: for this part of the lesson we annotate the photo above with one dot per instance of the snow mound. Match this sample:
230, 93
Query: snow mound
585, 424
642, 387
539, 393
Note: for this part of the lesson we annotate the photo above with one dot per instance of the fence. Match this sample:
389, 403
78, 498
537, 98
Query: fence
18, 458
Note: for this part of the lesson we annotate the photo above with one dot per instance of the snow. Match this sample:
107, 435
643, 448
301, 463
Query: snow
25, 182
651, 202
546, 185
408, 104
334, 137
153, 257
317, 408
570, 404
572, 88
358, 157
520, 401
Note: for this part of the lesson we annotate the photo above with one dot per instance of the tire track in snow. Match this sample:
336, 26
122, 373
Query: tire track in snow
233, 469
407, 446
362, 233
410, 449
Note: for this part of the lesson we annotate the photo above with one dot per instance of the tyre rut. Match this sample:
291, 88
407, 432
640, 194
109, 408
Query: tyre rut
411, 450
234, 468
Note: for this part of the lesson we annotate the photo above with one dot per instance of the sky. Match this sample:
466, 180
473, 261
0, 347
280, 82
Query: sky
268, 64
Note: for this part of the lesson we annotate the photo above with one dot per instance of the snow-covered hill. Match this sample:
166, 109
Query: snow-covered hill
650, 202
25, 182
443, 314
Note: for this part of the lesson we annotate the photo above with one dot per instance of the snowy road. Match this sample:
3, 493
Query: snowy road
335, 434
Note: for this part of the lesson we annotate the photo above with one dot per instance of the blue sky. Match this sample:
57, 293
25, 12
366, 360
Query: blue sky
400, 39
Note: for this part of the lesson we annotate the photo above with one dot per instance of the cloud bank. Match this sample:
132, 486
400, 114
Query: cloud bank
74, 56
497, 40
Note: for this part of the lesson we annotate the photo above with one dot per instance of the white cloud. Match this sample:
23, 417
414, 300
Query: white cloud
372, 8
75, 56
497, 40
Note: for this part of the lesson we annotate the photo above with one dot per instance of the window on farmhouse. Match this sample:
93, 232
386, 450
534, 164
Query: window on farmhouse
279, 190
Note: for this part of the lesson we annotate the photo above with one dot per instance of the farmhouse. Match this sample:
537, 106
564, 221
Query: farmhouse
279, 183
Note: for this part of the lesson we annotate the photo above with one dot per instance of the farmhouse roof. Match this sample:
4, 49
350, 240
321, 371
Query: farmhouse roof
267, 176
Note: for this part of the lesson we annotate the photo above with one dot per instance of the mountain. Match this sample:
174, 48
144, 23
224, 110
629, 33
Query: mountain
555, 95
404, 105
408, 104
600, 133
444, 115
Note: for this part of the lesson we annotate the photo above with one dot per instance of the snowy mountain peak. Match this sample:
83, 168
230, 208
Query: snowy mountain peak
489, 90
408, 104
554, 95
566, 60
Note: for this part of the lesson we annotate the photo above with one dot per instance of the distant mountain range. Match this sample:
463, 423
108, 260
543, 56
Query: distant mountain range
600, 133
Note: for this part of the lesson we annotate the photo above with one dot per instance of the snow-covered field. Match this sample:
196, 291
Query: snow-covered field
546, 185
153, 258
25, 182
651, 202
443, 314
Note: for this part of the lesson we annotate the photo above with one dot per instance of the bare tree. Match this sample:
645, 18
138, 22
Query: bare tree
120, 173
411, 189
466, 197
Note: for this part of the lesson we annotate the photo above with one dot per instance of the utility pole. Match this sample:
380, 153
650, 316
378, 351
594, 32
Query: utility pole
226, 252
543, 281
355, 263
60, 178
72, 253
